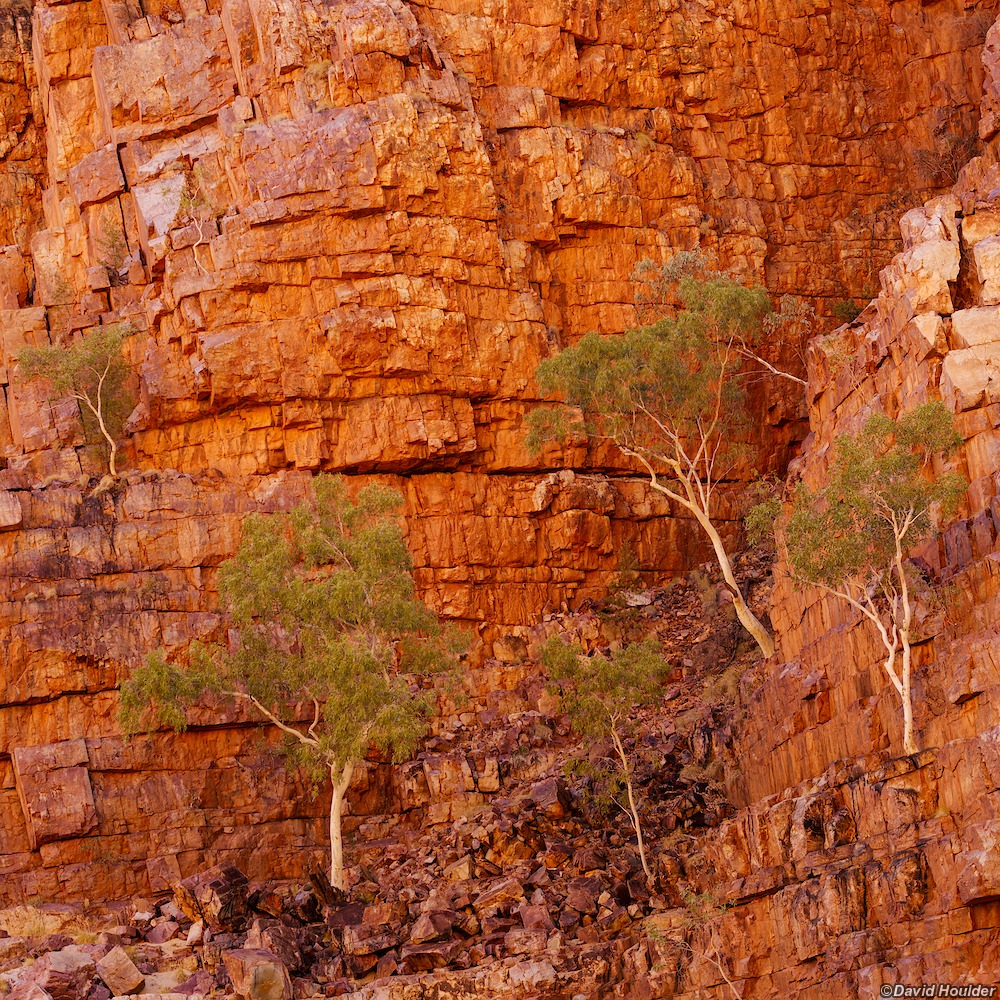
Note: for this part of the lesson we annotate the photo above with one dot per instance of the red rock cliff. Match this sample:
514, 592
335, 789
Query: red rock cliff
344, 236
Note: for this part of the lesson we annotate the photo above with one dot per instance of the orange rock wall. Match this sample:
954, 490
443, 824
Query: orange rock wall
850, 867
343, 237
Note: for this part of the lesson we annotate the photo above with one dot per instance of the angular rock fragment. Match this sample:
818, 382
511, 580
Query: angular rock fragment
30, 992
11, 514
425, 957
351, 913
277, 938
365, 940
552, 797
162, 932
461, 870
119, 972
525, 941
582, 894
65, 974
257, 975
501, 894
432, 926
217, 896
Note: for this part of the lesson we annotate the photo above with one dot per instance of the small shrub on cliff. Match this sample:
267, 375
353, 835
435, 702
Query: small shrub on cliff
851, 537
956, 142
329, 640
94, 372
846, 310
113, 249
601, 694
672, 396
701, 922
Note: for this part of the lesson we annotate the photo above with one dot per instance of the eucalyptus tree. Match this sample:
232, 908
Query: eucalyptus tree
601, 695
93, 371
329, 641
672, 397
851, 538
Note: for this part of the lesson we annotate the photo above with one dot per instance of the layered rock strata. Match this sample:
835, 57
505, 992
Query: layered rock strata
851, 868
343, 237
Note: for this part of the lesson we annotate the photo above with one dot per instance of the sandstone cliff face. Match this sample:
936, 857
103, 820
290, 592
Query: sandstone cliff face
849, 869
344, 236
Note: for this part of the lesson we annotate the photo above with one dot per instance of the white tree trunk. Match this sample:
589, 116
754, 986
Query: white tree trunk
699, 507
909, 743
747, 618
98, 412
336, 837
633, 808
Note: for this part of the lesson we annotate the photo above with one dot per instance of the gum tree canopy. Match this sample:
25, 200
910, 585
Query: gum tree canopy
329, 640
851, 538
672, 396
93, 371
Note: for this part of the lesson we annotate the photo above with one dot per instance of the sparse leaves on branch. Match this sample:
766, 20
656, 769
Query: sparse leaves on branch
690, 276
94, 372
329, 640
852, 537
600, 695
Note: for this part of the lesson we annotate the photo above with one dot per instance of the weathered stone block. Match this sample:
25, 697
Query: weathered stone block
119, 972
964, 378
257, 975
97, 177
65, 974
552, 797
217, 896
53, 784
11, 514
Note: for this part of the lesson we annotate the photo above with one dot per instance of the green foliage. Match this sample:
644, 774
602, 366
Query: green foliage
627, 575
62, 291
78, 367
112, 247
604, 785
160, 692
846, 310
92, 370
546, 425
324, 612
878, 493
599, 691
649, 388
760, 520
764, 497
600, 695
669, 391
690, 278
669, 395
851, 538
701, 907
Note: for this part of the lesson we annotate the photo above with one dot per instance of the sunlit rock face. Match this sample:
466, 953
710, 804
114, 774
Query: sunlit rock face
344, 235
838, 832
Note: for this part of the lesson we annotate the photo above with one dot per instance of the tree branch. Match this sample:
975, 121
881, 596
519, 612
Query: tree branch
268, 714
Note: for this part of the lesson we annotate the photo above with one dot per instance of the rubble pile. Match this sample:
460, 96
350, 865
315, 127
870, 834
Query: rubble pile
527, 887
